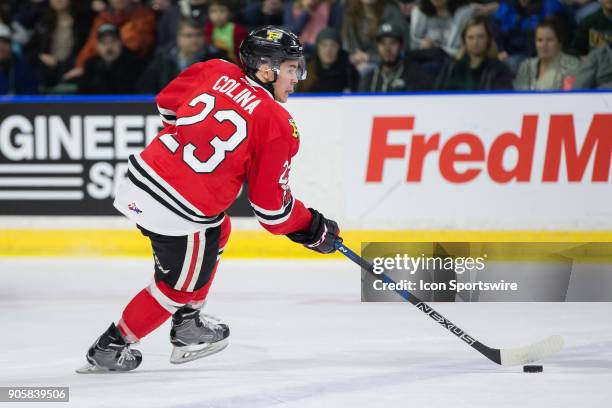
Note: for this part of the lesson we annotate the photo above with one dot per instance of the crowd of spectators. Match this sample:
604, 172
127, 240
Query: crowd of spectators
138, 46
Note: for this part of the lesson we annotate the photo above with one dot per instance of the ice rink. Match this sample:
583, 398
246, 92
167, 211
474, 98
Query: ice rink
300, 337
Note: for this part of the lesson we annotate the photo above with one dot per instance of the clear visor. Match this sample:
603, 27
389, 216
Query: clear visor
295, 69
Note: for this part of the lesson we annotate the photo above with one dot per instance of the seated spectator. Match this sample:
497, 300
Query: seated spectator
437, 25
58, 37
595, 72
393, 73
171, 15
136, 24
329, 69
262, 13
551, 67
362, 18
171, 61
17, 76
307, 18
221, 32
476, 66
514, 23
114, 69
595, 30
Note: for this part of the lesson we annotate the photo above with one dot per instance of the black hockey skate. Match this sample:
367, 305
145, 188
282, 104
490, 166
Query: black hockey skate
196, 335
111, 353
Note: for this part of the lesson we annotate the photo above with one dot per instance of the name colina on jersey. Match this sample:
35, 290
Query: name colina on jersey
238, 92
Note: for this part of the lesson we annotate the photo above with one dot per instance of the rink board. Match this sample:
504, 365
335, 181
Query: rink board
514, 167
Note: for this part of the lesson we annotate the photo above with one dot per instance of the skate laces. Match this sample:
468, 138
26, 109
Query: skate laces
125, 355
209, 323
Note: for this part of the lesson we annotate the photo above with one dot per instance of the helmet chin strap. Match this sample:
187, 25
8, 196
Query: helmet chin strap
269, 86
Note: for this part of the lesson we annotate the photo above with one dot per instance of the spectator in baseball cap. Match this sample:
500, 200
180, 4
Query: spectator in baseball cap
114, 69
393, 73
136, 25
361, 21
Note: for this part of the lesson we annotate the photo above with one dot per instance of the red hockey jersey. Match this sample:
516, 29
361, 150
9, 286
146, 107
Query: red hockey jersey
220, 129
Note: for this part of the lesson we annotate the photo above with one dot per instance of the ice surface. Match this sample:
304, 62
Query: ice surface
300, 337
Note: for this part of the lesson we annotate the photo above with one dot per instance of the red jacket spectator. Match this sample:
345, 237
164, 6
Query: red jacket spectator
136, 26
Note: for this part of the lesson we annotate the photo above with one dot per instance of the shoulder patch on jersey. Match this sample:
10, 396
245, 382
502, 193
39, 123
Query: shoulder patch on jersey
296, 133
274, 35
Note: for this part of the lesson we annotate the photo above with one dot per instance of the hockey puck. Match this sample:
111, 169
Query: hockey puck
533, 369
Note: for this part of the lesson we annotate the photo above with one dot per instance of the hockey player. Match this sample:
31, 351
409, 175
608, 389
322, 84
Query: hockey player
222, 126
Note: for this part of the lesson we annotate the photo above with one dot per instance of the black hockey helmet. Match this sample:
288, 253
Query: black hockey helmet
271, 45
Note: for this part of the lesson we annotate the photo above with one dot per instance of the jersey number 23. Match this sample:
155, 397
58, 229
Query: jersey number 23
221, 146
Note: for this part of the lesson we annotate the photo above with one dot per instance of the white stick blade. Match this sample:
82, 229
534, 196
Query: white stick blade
531, 353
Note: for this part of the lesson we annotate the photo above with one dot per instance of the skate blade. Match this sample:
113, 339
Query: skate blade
186, 354
92, 369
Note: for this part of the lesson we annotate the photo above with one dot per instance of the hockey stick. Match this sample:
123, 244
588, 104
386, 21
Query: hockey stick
505, 357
